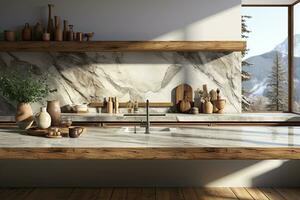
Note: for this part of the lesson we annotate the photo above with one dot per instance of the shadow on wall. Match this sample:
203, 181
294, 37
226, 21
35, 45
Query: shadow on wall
116, 173
117, 20
285, 175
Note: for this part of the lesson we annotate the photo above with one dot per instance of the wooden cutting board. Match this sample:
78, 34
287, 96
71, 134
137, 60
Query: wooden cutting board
34, 131
183, 90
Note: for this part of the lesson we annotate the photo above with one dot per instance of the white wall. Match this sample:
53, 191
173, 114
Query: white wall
134, 19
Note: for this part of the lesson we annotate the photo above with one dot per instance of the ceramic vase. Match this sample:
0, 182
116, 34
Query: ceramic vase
43, 119
38, 32
208, 107
220, 104
24, 116
26, 33
53, 108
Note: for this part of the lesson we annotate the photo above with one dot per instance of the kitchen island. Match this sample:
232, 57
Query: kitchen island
163, 143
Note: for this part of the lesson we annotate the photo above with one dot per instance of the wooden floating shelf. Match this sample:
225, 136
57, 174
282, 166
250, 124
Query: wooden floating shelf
119, 46
141, 104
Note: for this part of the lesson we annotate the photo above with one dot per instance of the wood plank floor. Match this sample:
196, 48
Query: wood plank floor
150, 193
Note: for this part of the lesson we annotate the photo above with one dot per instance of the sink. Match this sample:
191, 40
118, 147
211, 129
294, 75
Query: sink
152, 129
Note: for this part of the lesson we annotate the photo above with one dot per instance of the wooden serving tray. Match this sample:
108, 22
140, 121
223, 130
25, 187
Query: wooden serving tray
35, 131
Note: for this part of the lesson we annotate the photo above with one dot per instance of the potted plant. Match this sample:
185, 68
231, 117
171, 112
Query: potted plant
22, 88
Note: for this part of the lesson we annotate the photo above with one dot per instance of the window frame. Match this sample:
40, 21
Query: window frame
290, 19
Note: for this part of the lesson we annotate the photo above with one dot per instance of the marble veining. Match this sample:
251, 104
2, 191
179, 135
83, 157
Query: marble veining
242, 136
177, 117
131, 75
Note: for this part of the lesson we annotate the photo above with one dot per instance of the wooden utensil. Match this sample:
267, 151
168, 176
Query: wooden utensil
185, 105
182, 91
184, 97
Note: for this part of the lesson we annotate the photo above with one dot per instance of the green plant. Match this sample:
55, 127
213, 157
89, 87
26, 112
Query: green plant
22, 86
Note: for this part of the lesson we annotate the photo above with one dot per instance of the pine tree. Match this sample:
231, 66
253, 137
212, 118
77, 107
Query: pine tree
277, 86
245, 75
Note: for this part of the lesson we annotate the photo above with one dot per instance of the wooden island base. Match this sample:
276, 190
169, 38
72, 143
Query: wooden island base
151, 153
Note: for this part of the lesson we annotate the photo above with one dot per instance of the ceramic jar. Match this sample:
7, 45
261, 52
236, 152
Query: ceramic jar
24, 116
43, 119
46, 37
53, 108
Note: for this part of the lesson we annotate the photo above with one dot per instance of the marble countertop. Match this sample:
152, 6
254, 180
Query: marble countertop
243, 142
177, 117
93, 137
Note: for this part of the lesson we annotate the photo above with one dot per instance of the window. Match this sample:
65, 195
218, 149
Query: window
296, 99
265, 64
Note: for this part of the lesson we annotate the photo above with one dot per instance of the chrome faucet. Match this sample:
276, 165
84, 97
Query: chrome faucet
147, 123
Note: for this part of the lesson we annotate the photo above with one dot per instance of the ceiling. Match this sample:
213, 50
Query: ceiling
268, 2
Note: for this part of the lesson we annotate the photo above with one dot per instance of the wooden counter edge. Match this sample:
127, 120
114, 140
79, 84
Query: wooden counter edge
201, 153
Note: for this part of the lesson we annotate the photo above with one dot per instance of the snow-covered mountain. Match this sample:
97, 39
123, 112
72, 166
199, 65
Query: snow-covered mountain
262, 65
283, 47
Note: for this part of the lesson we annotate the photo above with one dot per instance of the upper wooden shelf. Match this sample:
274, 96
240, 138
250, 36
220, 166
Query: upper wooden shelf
113, 46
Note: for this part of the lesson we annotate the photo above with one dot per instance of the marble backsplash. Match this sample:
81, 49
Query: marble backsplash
131, 75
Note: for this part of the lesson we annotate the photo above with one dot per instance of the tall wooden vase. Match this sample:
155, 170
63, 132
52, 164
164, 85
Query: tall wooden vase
53, 108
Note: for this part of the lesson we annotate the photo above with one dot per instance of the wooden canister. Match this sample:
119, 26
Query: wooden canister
79, 37
27, 33
58, 34
9, 36
53, 108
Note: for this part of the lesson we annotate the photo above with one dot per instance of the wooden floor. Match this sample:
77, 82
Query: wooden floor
150, 194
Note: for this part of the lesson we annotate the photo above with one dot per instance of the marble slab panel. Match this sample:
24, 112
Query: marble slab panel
132, 75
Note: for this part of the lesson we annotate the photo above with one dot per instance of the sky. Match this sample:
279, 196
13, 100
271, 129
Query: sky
269, 28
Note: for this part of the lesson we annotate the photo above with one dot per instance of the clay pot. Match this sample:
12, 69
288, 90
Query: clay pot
9, 36
26, 33
24, 116
208, 107
220, 104
43, 119
53, 108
